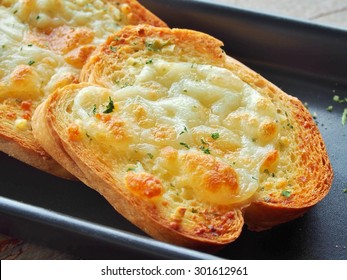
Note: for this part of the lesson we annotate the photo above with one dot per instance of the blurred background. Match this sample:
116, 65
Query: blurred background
331, 12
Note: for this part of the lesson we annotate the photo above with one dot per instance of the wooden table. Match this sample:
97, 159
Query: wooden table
328, 12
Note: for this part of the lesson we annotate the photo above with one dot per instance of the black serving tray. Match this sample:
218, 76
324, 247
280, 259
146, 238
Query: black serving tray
306, 60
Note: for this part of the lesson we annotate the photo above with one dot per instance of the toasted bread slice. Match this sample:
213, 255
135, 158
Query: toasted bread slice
184, 141
44, 44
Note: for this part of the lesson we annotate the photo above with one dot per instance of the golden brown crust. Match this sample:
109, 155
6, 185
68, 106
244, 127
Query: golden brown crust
293, 175
98, 68
74, 45
316, 175
139, 14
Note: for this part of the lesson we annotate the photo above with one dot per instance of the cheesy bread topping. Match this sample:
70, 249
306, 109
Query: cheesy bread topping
44, 44
200, 128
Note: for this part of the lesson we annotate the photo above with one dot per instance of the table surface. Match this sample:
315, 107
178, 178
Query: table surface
327, 12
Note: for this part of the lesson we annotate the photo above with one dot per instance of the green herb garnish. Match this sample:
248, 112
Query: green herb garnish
131, 169
286, 193
155, 45
203, 141
344, 117
31, 62
149, 61
184, 130
151, 46
215, 135
109, 107
185, 145
329, 108
205, 150
337, 98
150, 155
94, 109
113, 49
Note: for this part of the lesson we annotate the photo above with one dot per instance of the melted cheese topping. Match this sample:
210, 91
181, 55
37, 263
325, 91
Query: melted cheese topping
44, 44
191, 132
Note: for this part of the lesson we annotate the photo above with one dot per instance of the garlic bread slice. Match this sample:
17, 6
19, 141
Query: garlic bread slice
44, 45
183, 140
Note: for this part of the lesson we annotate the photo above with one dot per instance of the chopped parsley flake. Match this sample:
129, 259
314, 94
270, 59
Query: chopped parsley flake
151, 46
286, 193
337, 98
155, 45
185, 145
205, 150
113, 49
215, 135
150, 155
131, 169
94, 109
344, 116
329, 108
38, 17
203, 141
184, 130
31, 62
149, 61
345, 190
109, 107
